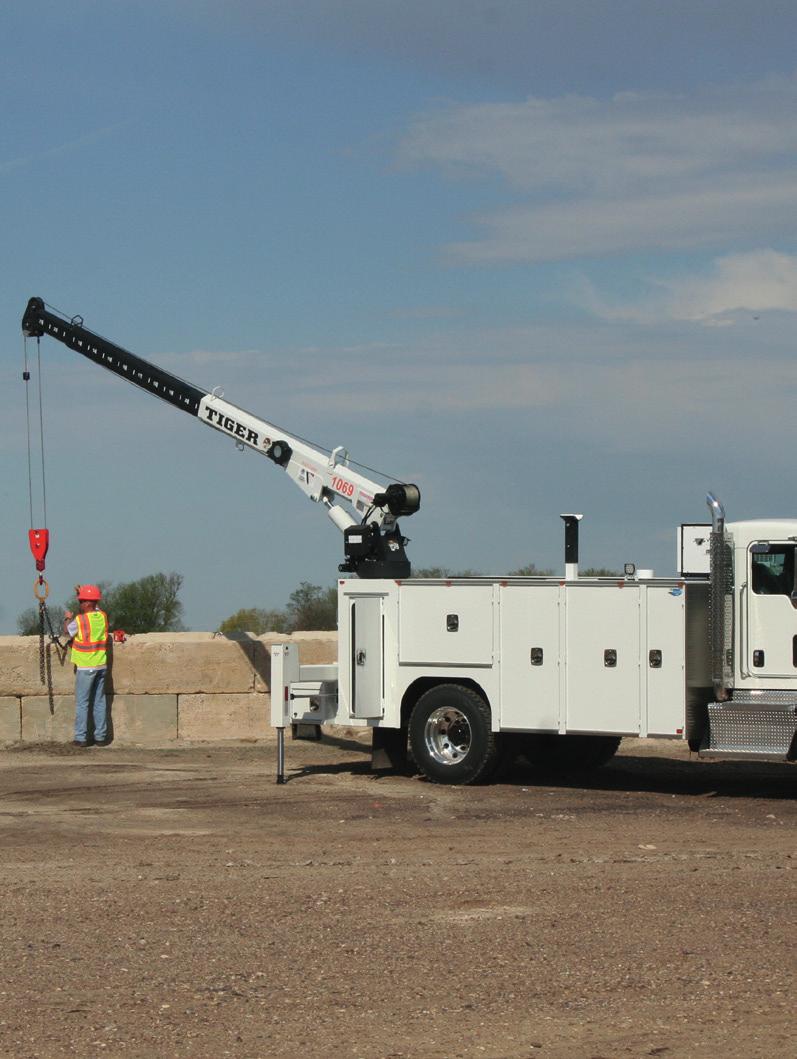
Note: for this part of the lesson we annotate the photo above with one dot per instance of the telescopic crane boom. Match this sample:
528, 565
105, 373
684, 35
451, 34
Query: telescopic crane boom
365, 511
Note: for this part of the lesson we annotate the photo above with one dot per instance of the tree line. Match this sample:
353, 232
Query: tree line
311, 607
152, 604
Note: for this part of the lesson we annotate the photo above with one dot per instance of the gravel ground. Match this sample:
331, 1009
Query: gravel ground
179, 903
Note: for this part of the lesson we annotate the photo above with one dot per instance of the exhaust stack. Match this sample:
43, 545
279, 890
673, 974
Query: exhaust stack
717, 513
720, 603
571, 545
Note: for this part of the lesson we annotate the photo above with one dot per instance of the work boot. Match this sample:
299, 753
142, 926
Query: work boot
79, 742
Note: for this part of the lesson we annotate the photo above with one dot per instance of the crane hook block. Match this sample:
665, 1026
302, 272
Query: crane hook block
39, 540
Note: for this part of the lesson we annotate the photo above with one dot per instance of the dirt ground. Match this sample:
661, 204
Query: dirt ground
179, 903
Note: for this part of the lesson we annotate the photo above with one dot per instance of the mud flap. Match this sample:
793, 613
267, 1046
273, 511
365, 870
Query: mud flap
389, 749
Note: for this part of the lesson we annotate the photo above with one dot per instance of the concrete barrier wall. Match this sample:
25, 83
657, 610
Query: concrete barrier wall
165, 688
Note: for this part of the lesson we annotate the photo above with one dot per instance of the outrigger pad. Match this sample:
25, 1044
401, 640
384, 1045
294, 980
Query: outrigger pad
306, 731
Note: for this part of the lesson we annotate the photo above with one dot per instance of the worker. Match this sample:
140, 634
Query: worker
88, 631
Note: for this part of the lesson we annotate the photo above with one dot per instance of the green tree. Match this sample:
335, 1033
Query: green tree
256, 620
150, 604
530, 570
599, 571
28, 620
431, 572
438, 572
312, 607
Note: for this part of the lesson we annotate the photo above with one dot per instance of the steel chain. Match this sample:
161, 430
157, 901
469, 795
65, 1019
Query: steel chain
45, 661
41, 642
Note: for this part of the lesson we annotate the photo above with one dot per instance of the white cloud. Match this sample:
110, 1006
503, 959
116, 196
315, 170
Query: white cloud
622, 389
633, 138
699, 216
745, 283
591, 177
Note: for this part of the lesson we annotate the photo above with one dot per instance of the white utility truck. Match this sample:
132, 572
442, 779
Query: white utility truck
467, 671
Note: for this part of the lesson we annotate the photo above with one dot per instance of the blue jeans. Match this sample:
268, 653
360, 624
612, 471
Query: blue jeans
90, 699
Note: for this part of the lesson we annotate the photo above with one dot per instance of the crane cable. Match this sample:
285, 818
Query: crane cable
39, 539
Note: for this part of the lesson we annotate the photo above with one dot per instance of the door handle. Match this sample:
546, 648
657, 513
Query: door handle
360, 658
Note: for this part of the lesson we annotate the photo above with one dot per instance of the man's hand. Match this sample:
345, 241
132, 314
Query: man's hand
68, 615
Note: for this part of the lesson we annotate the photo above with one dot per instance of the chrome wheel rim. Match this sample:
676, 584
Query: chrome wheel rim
447, 735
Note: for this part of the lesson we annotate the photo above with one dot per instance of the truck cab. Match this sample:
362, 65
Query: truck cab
764, 570
753, 633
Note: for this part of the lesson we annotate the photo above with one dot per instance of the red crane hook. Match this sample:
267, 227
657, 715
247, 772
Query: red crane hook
39, 540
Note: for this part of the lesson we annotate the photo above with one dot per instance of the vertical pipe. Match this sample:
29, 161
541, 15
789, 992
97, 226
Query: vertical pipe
717, 513
718, 602
571, 545
280, 755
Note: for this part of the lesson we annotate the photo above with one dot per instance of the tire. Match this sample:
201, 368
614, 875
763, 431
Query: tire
697, 718
510, 748
450, 736
570, 753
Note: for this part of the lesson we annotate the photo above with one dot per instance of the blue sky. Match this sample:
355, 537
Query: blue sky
536, 256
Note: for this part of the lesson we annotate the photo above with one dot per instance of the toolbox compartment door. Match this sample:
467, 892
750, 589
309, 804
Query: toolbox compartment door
444, 625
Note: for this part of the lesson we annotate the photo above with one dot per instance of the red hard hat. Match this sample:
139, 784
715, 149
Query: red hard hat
88, 592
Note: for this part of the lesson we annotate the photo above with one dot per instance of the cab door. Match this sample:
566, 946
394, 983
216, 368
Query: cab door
770, 647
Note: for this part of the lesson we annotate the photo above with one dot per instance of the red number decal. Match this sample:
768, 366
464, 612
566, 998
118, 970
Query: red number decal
342, 487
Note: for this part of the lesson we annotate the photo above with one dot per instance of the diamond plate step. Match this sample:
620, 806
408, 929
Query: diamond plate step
751, 728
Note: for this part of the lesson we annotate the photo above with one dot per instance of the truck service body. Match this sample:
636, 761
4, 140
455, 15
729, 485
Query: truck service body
467, 671
593, 657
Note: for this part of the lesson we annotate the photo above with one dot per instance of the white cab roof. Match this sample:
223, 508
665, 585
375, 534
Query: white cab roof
772, 529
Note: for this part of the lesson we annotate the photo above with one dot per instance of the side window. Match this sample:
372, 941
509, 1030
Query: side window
772, 569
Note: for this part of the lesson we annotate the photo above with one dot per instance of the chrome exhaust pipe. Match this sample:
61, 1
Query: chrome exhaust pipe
721, 583
717, 513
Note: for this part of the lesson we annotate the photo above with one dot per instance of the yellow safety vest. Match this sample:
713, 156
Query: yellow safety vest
90, 645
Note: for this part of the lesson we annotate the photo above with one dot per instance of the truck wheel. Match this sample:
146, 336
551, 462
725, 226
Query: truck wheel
697, 719
597, 750
450, 735
563, 753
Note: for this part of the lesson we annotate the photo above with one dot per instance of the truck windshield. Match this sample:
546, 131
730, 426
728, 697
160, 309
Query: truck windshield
772, 572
